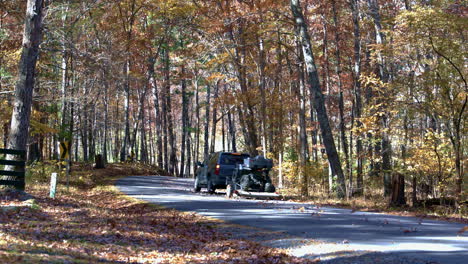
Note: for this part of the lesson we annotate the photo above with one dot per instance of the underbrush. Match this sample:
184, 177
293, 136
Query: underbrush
373, 201
84, 175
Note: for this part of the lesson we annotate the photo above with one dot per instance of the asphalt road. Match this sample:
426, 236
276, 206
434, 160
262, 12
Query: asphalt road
428, 240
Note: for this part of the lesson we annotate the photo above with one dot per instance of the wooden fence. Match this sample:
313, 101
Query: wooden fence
18, 175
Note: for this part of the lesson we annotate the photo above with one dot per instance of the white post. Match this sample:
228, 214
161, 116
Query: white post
53, 185
68, 174
280, 177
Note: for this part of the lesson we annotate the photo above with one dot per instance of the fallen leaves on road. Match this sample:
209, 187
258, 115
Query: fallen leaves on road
463, 230
412, 230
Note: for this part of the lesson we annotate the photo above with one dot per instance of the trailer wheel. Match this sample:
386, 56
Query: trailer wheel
269, 187
229, 191
245, 182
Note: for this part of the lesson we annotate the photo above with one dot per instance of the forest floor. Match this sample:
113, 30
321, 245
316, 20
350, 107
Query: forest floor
93, 223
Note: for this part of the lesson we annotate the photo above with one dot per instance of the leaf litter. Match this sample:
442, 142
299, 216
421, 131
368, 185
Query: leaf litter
98, 225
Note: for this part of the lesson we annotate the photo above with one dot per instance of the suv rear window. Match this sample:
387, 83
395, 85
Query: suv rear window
232, 159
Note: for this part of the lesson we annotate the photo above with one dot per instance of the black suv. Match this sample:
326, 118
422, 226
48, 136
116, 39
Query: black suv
212, 173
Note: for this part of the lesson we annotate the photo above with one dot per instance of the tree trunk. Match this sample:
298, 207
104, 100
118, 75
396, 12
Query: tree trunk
344, 141
197, 132
157, 113
398, 190
65, 78
164, 120
319, 102
84, 131
215, 119
126, 140
188, 164
92, 132
383, 74
206, 147
357, 94
172, 139
184, 122
414, 196
276, 131
248, 119
6, 129
223, 131
232, 131
143, 146
262, 85
398, 180
19, 130
303, 146
106, 119
127, 24
71, 127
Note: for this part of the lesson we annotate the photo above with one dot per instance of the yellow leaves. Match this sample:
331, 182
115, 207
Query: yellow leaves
5, 112
462, 96
215, 76
176, 8
40, 128
292, 172
431, 155
219, 59
368, 124
10, 58
373, 81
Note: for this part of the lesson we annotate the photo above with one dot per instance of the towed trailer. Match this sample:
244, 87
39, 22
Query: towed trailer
251, 179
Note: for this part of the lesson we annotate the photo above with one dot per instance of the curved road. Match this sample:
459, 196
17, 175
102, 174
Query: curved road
342, 229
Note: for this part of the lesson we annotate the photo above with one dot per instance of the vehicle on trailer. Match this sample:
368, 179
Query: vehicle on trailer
251, 179
212, 174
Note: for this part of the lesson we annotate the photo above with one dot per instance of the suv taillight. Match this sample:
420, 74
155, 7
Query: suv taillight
217, 169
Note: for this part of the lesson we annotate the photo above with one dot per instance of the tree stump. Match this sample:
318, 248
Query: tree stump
398, 190
99, 162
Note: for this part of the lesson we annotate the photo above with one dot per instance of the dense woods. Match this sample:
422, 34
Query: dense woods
349, 97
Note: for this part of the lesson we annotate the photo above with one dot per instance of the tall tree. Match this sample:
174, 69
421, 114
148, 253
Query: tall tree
338, 69
185, 121
127, 18
386, 150
357, 92
20, 119
319, 102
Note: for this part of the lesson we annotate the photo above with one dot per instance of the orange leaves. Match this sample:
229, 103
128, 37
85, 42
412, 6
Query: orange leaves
463, 230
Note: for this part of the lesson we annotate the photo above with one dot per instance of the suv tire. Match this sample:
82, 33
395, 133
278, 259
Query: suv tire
269, 187
196, 185
209, 186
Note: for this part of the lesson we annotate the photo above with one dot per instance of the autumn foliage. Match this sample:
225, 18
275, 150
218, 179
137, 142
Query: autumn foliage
168, 82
